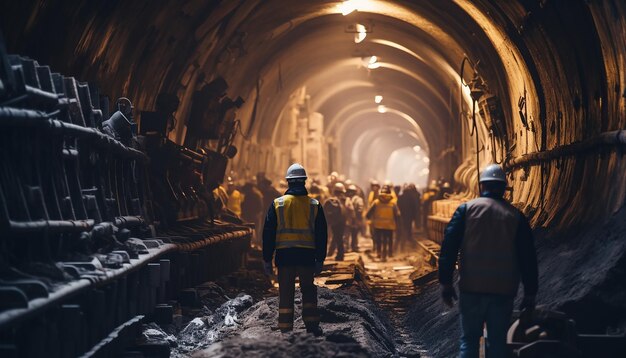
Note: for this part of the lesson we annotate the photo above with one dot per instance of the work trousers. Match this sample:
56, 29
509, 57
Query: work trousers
479, 309
336, 242
407, 230
286, 293
383, 240
354, 243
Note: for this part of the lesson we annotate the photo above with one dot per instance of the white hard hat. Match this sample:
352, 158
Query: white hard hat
296, 171
493, 172
339, 187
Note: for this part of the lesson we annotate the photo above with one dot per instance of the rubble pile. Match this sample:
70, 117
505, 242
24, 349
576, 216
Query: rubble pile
244, 327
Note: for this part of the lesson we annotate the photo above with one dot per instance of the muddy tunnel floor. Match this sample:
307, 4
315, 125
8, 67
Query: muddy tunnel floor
363, 305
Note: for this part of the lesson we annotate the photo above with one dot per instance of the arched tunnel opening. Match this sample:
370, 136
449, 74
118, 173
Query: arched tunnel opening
144, 143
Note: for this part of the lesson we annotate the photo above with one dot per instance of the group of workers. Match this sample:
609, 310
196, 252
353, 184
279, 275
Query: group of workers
489, 238
388, 214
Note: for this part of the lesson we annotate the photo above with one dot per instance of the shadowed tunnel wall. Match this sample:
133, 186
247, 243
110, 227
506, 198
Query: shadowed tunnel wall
566, 58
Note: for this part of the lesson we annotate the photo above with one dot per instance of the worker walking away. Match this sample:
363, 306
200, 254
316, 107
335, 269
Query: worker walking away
335, 211
295, 228
350, 219
252, 208
358, 207
371, 196
235, 198
408, 203
384, 214
496, 249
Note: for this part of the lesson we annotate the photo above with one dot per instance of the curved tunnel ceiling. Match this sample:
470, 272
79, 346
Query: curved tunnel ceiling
566, 59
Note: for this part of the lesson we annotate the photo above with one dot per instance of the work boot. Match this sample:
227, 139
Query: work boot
315, 330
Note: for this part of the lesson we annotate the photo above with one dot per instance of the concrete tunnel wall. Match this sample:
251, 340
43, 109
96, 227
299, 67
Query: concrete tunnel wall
569, 57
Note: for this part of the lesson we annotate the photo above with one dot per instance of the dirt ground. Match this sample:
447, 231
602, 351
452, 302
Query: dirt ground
583, 275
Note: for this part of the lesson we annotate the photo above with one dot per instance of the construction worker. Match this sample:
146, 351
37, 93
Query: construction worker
394, 197
358, 207
295, 228
496, 248
252, 208
371, 196
384, 214
235, 198
408, 203
350, 217
331, 180
335, 209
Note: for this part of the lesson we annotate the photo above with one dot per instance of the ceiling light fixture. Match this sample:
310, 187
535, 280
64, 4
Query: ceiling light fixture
378, 99
349, 6
361, 33
372, 62
382, 108
417, 149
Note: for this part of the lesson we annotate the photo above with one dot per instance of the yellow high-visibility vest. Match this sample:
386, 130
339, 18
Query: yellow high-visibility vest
383, 215
234, 202
296, 221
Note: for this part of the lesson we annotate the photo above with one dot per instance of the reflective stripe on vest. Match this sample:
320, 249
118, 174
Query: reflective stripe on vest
488, 261
296, 221
383, 216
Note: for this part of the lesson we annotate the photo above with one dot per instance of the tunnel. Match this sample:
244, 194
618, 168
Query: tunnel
125, 122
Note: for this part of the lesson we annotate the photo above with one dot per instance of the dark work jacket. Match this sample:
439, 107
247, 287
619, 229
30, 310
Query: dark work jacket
294, 256
522, 259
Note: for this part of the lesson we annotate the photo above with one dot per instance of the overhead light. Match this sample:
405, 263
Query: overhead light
382, 108
378, 99
426, 160
371, 62
424, 172
417, 149
361, 33
349, 6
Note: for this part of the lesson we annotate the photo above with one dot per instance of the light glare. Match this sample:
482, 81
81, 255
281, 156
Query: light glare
378, 99
382, 108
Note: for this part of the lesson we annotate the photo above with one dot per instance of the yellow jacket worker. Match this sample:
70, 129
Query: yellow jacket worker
384, 214
295, 228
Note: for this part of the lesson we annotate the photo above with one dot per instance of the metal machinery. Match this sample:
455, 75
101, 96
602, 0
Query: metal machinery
546, 333
98, 232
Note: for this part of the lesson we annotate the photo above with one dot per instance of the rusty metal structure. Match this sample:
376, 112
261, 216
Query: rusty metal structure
100, 227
